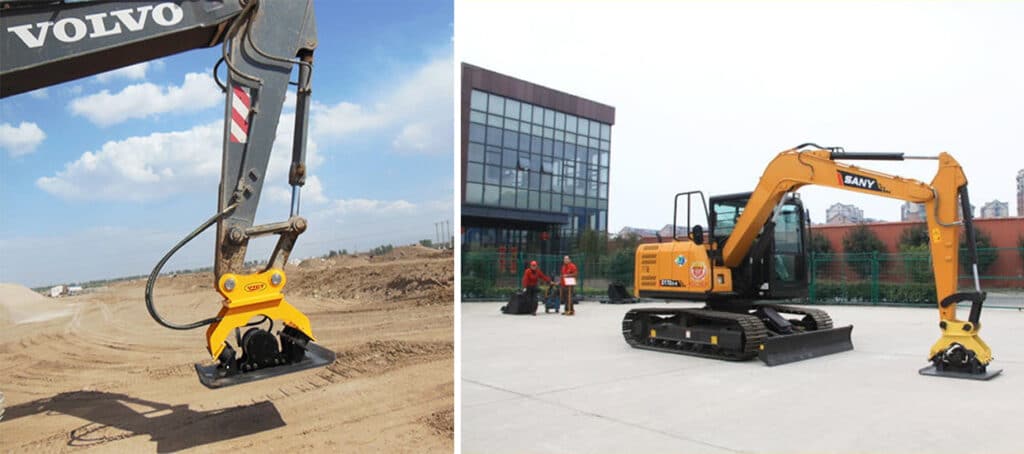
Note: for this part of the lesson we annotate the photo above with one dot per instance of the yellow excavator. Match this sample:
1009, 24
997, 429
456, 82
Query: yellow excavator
263, 43
756, 250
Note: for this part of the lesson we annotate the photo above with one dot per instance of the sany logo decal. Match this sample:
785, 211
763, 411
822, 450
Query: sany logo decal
73, 29
859, 181
255, 286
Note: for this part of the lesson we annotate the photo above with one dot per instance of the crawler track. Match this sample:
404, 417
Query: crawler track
747, 332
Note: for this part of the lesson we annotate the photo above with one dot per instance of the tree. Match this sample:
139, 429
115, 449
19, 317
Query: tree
820, 243
623, 261
915, 235
916, 258
987, 255
426, 243
1020, 247
861, 240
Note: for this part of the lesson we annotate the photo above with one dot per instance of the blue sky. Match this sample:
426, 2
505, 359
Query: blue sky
88, 193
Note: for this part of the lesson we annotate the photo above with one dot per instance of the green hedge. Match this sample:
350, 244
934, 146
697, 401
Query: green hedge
860, 292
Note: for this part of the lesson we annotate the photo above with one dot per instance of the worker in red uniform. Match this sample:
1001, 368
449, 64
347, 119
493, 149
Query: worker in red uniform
565, 291
531, 277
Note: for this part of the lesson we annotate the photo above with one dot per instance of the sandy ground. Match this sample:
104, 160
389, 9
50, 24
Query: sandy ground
107, 377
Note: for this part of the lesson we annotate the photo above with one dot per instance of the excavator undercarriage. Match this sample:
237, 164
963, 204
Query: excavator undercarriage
774, 333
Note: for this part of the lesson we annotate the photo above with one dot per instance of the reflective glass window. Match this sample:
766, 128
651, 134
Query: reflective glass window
509, 159
570, 124
512, 109
604, 158
491, 194
495, 104
474, 193
511, 125
549, 118
508, 177
606, 132
477, 133
475, 172
493, 136
545, 182
538, 115
534, 200
508, 197
477, 117
476, 152
478, 100
559, 120
527, 112
495, 120
523, 201
511, 140
492, 175
494, 155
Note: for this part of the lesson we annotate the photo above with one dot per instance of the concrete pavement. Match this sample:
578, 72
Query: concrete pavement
555, 384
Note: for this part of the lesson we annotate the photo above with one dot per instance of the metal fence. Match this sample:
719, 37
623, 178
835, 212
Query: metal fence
870, 278
904, 277
490, 275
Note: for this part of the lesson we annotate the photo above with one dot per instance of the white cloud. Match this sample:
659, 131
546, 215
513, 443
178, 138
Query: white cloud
133, 72
417, 112
196, 93
363, 206
39, 94
143, 167
161, 164
20, 140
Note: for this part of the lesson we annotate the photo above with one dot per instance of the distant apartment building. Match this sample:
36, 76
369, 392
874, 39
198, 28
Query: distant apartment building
637, 232
912, 212
995, 209
840, 213
1020, 192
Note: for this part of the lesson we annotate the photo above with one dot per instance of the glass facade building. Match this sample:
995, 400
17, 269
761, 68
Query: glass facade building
535, 168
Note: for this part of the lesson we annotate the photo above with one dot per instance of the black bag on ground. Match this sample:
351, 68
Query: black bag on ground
518, 303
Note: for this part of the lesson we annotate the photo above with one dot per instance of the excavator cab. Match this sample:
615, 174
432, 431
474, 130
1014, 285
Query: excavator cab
778, 264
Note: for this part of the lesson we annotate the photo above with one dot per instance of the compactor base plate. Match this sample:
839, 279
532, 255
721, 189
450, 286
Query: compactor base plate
316, 356
931, 370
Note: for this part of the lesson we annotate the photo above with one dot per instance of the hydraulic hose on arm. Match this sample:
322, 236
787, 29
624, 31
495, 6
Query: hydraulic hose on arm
159, 266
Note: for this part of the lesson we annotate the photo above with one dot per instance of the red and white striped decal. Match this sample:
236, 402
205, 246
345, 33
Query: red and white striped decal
239, 115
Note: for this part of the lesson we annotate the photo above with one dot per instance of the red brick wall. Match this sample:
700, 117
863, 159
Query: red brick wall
1003, 231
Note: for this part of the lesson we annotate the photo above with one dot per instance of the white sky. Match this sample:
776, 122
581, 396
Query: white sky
707, 93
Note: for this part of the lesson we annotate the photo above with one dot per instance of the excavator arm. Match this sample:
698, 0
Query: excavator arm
960, 352
49, 42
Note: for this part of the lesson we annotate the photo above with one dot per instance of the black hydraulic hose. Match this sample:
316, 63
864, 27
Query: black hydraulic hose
156, 272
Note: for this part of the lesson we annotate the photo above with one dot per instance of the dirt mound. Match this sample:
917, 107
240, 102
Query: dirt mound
374, 358
19, 304
416, 251
426, 282
443, 422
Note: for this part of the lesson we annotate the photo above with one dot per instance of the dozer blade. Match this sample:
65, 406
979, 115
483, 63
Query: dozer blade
791, 348
316, 356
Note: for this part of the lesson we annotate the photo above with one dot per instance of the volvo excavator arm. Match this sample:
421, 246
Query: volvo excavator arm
49, 42
959, 352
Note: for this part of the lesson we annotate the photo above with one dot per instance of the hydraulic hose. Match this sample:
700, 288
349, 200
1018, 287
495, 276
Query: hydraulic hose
159, 266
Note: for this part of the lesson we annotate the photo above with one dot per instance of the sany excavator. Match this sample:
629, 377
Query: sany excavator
756, 250
48, 42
